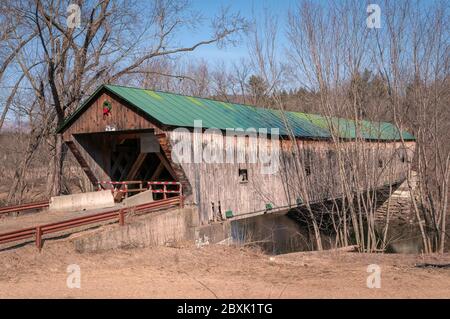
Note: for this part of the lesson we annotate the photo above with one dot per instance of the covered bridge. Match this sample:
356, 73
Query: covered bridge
124, 133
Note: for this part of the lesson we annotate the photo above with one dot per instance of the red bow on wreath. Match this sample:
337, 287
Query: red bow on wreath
106, 108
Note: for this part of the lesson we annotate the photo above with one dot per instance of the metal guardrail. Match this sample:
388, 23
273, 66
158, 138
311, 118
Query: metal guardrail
22, 207
37, 232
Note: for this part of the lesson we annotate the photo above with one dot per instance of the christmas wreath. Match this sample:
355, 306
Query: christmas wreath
106, 108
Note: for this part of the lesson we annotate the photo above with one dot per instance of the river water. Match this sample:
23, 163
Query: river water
280, 234
273, 233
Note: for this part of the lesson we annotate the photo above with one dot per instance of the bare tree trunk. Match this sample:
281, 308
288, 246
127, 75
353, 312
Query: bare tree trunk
56, 168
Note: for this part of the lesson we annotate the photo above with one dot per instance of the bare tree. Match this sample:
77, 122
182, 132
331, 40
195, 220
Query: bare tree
413, 57
113, 41
330, 52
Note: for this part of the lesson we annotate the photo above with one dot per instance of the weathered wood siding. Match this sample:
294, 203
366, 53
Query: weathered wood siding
219, 182
122, 117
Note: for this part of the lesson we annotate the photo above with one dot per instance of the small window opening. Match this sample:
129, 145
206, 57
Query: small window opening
307, 168
402, 156
330, 155
380, 163
243, 175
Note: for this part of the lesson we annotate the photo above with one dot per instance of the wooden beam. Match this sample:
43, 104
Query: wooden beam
132, 173
83, 163
157, 171
136, 166
118, 167
167, 165
176, 170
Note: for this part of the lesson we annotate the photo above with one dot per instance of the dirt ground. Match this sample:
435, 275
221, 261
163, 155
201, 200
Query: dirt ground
215, 271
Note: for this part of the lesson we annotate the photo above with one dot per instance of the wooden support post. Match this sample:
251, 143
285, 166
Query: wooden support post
121, 217
39, 238
181, 195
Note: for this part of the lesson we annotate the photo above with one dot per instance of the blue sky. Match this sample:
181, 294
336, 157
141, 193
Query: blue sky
246, 8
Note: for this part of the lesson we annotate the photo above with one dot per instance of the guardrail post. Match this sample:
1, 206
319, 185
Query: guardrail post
121, 217
180, 189
39, 238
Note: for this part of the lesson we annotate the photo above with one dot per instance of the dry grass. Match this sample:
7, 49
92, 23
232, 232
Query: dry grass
215, 271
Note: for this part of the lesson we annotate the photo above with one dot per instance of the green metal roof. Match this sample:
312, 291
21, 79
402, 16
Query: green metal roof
181, 111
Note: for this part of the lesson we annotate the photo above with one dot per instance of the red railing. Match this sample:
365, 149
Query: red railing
38, 231
23, 207
155, 187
